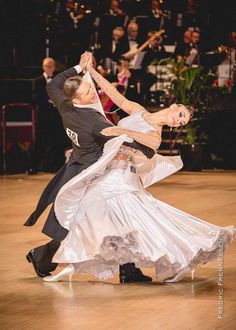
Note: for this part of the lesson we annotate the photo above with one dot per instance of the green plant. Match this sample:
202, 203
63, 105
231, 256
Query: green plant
193, 132
191, 86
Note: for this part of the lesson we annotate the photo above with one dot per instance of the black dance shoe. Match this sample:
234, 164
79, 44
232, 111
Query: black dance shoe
131, 274
30, 258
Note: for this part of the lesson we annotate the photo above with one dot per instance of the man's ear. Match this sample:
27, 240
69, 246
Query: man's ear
76, 100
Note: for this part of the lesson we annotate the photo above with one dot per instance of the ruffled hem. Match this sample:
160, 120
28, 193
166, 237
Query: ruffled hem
117, 250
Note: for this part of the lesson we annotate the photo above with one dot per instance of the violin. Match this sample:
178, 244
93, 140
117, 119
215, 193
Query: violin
132, 52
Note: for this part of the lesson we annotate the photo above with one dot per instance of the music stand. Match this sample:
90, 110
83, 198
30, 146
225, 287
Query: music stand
138, 61
211, 59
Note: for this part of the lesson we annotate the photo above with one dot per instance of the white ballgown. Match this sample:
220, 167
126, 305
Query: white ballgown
112, 220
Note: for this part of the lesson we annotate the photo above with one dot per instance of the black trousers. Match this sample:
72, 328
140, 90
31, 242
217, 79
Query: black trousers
43, 256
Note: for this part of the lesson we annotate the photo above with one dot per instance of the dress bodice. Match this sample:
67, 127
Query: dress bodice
136, 122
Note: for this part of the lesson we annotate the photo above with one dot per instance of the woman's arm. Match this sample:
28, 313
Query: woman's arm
121, 101
150, 139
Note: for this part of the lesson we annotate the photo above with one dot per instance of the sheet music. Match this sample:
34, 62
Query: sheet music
137, 60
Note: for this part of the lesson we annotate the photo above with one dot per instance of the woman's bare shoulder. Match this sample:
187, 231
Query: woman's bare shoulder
147, 116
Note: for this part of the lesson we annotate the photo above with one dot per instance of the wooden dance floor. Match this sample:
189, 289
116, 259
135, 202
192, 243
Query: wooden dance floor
29, 303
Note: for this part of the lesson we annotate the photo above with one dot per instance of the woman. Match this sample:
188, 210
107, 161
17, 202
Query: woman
112, 220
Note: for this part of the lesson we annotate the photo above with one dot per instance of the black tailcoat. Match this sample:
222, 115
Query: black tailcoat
83, 126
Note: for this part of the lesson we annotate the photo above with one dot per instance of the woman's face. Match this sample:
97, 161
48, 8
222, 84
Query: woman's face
177, 115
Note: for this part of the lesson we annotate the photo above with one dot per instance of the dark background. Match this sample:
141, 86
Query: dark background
26, 24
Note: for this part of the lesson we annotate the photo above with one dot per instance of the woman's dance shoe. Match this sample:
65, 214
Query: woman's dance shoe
179, 277
68, 271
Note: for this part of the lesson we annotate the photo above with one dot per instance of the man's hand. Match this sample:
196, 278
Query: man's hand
84, 60
89, 63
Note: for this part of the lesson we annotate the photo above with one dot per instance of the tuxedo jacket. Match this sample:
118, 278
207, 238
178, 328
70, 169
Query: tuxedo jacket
106, 49
83, 126
48, 119
40, 92
46, 109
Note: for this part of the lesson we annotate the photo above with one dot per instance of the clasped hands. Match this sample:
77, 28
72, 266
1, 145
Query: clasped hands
86, 61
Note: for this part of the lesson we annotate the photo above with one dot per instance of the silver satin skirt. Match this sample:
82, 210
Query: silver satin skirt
119, 222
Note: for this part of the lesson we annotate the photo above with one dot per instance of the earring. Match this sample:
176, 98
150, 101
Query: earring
171, 129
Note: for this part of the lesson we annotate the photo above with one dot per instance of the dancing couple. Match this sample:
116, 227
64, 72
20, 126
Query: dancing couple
102, 219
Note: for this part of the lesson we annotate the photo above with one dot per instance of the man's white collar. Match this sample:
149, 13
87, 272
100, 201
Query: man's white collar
91, 105
97, 106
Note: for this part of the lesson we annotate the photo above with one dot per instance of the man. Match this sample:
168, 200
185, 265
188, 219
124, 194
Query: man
111, 50
189, 48
156, 16
140, 78
51, 140
112, 17
232, 56
114, 8
132, 35
77, 24
226, 70
131, 41
193, 49
181, 47
76, 100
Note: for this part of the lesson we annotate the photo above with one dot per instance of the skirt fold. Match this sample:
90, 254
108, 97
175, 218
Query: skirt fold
124, 223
